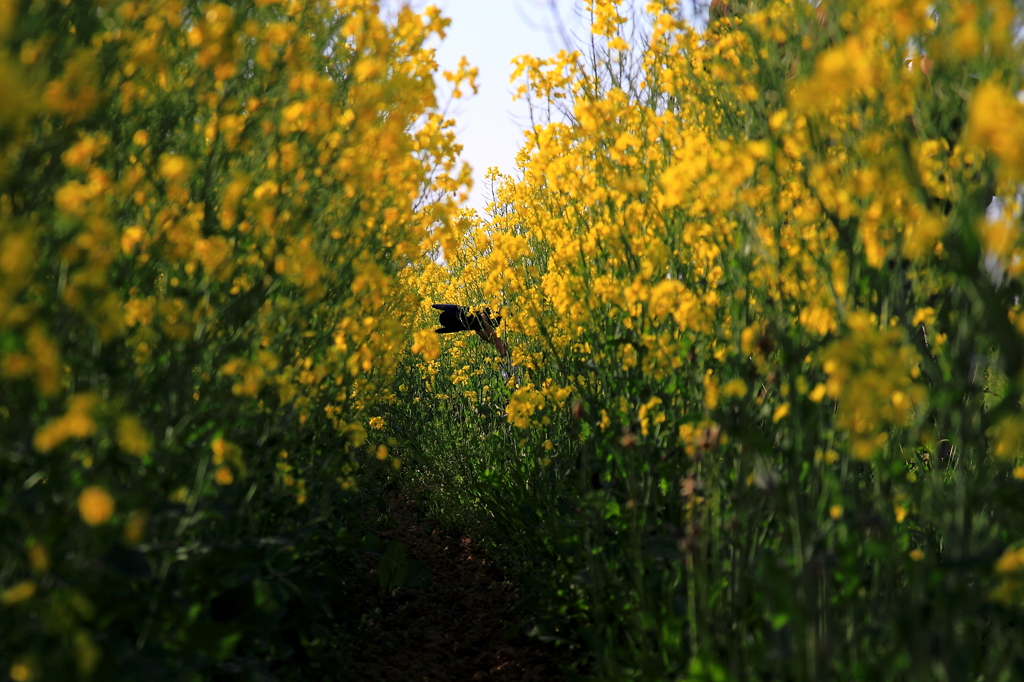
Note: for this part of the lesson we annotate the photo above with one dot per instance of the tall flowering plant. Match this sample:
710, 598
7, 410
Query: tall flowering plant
203, 211
767, 280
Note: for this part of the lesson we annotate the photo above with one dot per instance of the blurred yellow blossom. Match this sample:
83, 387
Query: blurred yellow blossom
223, 476
426, 343
996, 124
38, 557
132, 436
226, 452
173, 166
77, 422
21, 672
18, 592
135, 526
95, 505
1011, 561
734, 388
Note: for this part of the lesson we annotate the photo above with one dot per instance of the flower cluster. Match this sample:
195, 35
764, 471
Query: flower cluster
776, 261
204, 211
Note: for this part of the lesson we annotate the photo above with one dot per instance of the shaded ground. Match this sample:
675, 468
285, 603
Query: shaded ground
455, 627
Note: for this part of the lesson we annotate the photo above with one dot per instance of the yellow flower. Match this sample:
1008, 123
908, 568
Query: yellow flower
924, 315
219, 446
18, 592
828, 457
21, 672
1007, 437
916, 554
87, 652
748, 93
95, 505
224, 451
836, 512
1007, 592
80, 155
734, 388
617, 43
1011, 561
131, 238
523, 404
76, 423
135, 526
223, 476
780, 412
710, 390
426, 343
38, 557
817, 394
173, 167
278, 34
132, 436
996, 124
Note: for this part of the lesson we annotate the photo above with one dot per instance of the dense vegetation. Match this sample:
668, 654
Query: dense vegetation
203, 211
760, 282
762, 288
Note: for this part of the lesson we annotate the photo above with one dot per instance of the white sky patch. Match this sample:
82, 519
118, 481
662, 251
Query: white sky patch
490, 33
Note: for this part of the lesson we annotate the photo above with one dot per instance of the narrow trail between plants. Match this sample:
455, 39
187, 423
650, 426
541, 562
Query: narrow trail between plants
454, 628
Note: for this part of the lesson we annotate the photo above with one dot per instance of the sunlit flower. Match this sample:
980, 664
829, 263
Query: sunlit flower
95, 505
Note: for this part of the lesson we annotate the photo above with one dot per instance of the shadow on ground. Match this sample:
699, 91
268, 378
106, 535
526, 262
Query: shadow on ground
459, 626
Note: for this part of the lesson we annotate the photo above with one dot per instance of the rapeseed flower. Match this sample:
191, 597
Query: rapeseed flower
95, 505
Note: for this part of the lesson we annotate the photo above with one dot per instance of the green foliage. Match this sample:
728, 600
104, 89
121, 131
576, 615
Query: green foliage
203, 211
393, 567
760, 291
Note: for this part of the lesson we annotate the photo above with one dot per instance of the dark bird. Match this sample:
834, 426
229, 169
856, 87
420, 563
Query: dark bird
457, 318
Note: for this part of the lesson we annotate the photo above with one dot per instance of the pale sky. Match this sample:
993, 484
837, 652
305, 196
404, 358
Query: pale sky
490, 33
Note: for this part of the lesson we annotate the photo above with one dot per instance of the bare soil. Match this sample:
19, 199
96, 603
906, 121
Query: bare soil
455, 628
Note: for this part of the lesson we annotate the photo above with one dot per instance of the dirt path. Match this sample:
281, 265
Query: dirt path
451, 629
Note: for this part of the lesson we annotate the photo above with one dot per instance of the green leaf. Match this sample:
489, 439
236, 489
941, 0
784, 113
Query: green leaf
779, 621
227, 645
372, 543
262, 594
393, 566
